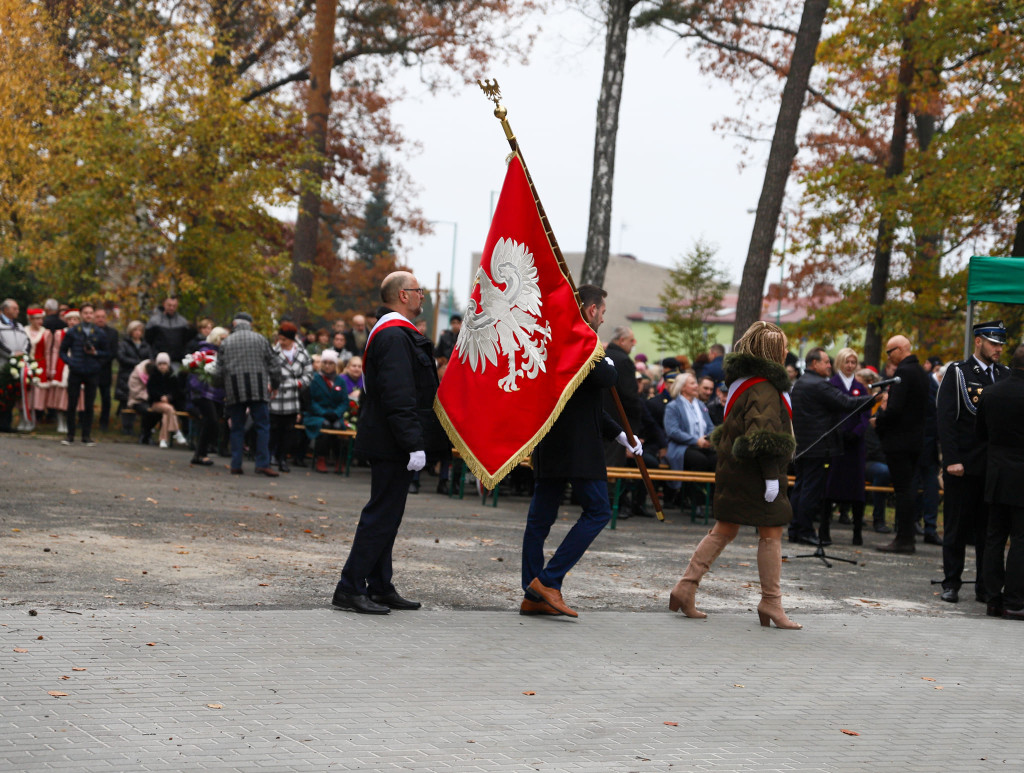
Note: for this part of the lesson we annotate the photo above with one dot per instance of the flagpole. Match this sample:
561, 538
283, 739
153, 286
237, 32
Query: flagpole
493, 92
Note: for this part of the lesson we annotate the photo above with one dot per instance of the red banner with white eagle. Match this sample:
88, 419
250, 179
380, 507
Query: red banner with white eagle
524, 346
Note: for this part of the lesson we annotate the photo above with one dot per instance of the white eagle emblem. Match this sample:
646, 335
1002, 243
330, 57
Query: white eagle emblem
508, 321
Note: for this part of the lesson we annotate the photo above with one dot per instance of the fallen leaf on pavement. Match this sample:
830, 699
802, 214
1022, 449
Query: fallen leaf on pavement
75, 491
529, 692
57, 694
739, 685
150, 499
65, 676
151, 644
742, 564
122, 579
849, 732
672, 724
79, 668
264, 584
321, 501
927, 678
20, 649
938, 687
214, 706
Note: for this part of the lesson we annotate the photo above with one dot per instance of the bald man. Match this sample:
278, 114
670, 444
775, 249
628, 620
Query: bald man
900, 426
397, 428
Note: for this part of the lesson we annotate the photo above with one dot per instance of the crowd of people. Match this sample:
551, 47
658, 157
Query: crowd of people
224, 390
912, 430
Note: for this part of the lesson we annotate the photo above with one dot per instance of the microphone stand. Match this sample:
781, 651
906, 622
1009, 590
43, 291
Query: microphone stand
819, 552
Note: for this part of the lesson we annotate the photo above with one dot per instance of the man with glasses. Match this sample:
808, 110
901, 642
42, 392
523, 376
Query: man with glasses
963, 456
900, 425
397, 427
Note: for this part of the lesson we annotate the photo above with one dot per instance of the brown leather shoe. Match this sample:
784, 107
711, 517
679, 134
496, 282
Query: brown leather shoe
237, 471
267, 471
529, 607
552, 597
897, 546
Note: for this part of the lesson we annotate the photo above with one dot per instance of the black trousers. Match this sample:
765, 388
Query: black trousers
808, 499
210, 416
368, 568
1005, 581
903, 469
104, 393
966, 520
281, 426
76, 383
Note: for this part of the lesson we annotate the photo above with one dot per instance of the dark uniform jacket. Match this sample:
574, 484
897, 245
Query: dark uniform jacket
901, 425
396, 414
956, 407
625, 385
73, 349
817, 406
106, 370
754, 445
573, 447
1000, 419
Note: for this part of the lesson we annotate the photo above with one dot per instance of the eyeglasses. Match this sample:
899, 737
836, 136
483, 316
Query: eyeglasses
419, 290
888, 352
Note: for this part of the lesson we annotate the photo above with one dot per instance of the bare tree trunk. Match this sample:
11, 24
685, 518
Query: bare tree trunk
780, 161
1018, 236
883, 241
307, 225
925, 269
595, 262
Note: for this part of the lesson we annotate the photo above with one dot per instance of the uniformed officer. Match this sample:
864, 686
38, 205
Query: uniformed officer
963, 456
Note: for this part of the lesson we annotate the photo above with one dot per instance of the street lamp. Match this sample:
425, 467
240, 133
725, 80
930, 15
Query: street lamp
451, 280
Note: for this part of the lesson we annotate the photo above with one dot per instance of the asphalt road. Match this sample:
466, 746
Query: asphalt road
120, 525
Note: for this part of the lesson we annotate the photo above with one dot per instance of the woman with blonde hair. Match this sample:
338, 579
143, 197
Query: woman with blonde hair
754, 444
846, 473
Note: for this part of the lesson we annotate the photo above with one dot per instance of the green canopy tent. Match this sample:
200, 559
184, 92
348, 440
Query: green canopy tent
994, 280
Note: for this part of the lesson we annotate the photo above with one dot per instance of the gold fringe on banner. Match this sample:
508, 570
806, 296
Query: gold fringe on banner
491, 481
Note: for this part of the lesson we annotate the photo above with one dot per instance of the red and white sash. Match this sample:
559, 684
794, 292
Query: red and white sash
391, 319
741, 385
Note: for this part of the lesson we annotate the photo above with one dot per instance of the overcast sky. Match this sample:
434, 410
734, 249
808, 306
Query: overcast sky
676, 177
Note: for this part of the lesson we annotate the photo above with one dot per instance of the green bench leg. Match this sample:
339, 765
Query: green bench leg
615, 503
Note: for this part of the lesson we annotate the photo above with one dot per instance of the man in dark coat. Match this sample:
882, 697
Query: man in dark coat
106, 377
1000, 418
618, 351
52, 320
397, 429
713, 369
963, 456
446, 343
168, 331
572, 452
817, 407
84, 350
900, 423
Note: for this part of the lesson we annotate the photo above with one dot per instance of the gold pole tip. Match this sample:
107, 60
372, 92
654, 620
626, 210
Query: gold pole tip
500, 112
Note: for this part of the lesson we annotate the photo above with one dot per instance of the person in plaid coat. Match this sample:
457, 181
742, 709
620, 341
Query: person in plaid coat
251, 374
285, 406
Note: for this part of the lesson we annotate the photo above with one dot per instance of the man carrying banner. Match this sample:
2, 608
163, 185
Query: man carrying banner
397, 428
571, 451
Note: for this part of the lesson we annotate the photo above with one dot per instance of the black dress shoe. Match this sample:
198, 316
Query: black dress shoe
202, 461
442, 486
300, 462
1014, 614
881, 528
981, 598
282, 465
897, 546
951, 595
394, 601
357, 602
994, 608
414, 488
931, 538
807, 539
642, 512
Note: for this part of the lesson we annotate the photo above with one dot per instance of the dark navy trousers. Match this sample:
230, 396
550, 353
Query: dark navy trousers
547, 498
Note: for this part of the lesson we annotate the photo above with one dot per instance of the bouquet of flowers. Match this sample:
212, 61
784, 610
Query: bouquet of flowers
21, 372
351, 416
202, 365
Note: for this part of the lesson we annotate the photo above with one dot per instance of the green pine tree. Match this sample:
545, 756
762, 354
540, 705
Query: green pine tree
375, 237
694, 290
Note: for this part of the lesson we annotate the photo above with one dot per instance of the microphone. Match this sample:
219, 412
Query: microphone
887, 382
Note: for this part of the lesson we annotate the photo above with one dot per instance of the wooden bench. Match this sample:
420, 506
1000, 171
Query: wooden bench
350, 434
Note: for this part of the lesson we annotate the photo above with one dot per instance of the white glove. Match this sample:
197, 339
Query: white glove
417, 461
623, 441
771, 490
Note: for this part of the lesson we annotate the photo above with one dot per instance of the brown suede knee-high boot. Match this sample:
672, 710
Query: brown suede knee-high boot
769, 567
684, 593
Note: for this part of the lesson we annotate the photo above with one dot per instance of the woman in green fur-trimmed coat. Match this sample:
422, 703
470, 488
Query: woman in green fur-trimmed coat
754, 445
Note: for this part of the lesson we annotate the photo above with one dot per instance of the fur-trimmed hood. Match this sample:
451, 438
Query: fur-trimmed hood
741, 365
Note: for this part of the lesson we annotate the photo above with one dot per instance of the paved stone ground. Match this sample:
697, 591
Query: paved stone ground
170, 589
490, 691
